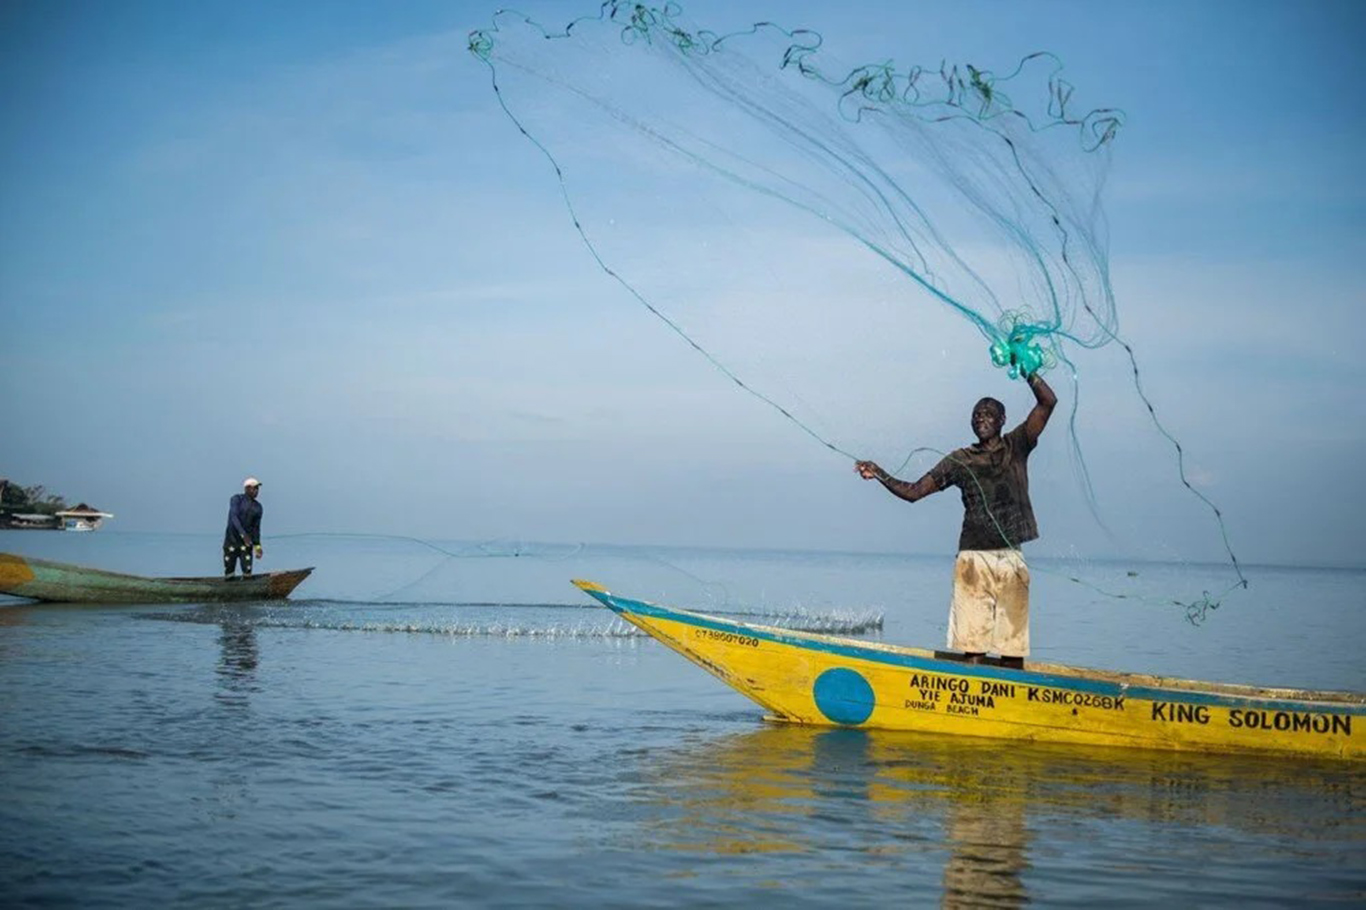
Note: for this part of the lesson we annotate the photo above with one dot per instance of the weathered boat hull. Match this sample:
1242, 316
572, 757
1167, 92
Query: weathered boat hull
809, 678
58, 582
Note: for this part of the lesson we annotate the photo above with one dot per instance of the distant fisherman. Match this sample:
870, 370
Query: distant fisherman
990, 607
242, 539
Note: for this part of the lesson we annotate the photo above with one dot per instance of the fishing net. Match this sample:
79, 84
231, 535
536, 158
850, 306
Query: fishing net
834, 238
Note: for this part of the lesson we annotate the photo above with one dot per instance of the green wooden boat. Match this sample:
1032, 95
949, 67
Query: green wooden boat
59, 582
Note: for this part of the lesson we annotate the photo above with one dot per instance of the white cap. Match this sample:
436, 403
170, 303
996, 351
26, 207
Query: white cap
250, 482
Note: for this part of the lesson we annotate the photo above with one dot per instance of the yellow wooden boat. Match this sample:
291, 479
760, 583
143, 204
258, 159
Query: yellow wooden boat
808, 678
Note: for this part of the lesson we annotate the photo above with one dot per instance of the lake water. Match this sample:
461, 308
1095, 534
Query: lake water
437, 724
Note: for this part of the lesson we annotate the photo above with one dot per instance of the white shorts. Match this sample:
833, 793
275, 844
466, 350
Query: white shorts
990, 608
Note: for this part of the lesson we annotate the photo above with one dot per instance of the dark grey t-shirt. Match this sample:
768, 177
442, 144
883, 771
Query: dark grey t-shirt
994, 482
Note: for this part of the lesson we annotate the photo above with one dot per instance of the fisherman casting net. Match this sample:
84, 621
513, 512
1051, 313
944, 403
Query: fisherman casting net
833, 238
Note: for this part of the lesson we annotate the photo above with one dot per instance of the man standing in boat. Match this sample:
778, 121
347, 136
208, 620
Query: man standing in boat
990, 606
242, 539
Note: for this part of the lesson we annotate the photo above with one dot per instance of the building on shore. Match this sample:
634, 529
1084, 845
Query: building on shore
82, 518
30, 522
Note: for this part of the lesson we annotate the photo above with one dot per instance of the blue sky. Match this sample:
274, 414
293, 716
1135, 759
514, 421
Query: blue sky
304, 243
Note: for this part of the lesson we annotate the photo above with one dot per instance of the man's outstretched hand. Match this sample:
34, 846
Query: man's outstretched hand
868, 470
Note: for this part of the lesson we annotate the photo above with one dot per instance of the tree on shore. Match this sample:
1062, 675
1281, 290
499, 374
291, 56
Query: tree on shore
35, 500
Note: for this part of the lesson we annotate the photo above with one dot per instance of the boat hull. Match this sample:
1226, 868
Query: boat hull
57, 582
808, 678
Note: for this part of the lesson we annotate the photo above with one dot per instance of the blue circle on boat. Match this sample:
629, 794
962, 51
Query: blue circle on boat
843, 696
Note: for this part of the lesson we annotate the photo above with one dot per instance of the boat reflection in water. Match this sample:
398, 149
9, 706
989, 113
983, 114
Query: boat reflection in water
238, 653
234, 786
970, 813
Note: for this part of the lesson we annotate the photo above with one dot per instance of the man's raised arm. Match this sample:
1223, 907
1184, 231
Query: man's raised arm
1045, 399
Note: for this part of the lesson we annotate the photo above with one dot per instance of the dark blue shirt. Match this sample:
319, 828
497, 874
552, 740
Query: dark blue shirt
244, 521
